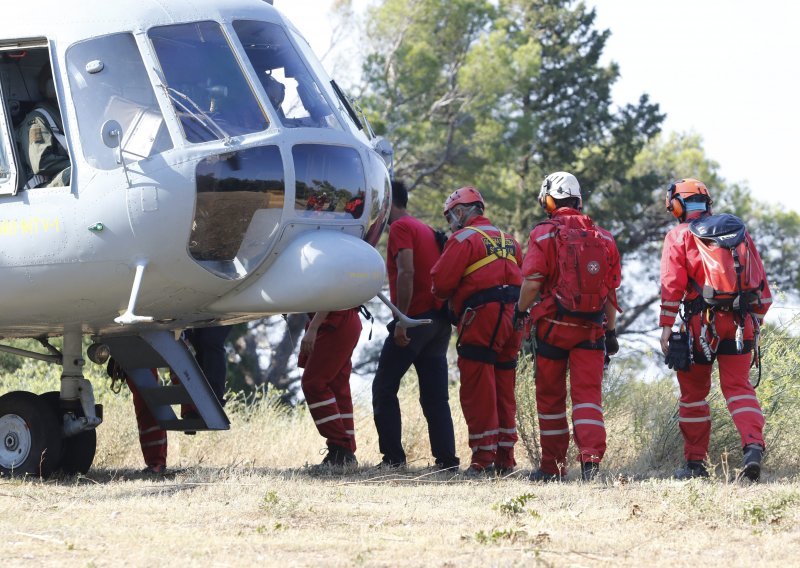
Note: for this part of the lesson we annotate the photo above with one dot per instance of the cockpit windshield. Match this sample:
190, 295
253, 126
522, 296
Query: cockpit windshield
205, 82
287, 82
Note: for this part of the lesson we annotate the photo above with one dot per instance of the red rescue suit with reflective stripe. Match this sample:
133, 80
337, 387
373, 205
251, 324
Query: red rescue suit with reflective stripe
152, 438
487, 342
680, 262
576, 344
326, 378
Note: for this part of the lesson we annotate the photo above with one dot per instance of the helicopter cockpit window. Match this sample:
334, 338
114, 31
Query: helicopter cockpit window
205, 82
330, 182
291, 89
109, 83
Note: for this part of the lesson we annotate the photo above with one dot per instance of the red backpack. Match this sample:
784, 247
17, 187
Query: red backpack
734, 278
584, 279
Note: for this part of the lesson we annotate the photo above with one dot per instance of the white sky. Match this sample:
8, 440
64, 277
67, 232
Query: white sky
724, 69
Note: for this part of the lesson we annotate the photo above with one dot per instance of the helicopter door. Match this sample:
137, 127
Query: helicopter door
8, 168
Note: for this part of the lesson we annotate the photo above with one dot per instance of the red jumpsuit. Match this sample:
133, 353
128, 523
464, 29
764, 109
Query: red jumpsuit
680, 261
566, 342
326, 379
151, 437
487, 344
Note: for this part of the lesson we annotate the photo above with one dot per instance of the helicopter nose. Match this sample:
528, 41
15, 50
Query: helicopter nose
318, 271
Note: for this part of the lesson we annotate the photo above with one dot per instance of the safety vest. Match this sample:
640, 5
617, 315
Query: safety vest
496, 254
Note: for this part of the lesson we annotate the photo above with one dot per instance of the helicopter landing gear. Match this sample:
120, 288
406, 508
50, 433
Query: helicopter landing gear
77, 452
30, 435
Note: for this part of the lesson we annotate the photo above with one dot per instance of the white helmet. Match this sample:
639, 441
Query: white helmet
559, 185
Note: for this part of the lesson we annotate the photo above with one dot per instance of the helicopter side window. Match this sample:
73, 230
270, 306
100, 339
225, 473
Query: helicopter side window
207, 87
290, 87
35, 125
110, 83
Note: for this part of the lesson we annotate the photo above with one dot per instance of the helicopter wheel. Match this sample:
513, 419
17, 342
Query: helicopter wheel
77, 452
30, 435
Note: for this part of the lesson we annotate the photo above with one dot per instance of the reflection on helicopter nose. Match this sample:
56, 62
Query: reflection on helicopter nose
240, 199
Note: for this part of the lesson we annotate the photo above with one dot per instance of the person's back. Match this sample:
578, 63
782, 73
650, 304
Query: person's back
408, 232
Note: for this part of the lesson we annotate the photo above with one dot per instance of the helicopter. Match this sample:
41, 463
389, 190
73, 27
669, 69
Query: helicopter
213, 174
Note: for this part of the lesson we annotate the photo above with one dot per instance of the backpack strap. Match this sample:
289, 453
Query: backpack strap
495, 254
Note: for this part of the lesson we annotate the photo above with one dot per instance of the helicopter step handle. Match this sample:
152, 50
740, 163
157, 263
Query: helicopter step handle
404, 320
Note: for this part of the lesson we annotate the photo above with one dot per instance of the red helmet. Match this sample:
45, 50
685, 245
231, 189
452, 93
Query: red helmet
680, 191
463, 196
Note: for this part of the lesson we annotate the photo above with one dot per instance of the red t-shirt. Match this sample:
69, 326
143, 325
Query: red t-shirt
411, 233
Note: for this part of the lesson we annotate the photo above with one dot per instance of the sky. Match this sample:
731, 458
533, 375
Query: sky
723, 69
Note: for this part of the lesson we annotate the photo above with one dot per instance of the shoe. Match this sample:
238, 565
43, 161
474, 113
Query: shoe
752, 462
502, 471
339, 457
544, 477
589, 471
692, 469
391, 465
155, 469
447, 465
475, 471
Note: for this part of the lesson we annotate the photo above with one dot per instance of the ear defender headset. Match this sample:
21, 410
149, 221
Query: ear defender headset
675, 203
679, 191
546, 201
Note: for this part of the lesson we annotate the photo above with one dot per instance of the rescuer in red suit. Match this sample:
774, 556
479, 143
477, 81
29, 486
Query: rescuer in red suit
325, 354
566, 340
682, 272
478, 273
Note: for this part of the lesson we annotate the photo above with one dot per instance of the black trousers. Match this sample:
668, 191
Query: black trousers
209, 348
428, 353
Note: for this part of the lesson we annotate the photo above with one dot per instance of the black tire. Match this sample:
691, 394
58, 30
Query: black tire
77, 452
35, 448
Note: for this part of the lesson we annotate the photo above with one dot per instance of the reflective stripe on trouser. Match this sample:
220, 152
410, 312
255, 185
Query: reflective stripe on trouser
694, 415
586, 377
152, 439
487, 392
326, 381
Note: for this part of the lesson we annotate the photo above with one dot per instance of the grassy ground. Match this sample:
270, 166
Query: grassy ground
249, 496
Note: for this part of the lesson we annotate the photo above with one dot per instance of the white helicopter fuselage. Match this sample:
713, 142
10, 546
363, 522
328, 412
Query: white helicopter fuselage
220, 203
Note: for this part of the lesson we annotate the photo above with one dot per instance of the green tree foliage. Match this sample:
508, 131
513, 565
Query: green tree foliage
498, 94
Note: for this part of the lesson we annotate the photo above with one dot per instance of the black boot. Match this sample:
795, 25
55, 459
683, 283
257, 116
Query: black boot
692, 469
752, 462
589, 470
339, 457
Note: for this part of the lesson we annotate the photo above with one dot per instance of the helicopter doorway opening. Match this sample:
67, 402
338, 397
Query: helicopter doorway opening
33, 144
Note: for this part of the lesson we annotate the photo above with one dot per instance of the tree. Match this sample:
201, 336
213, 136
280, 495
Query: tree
504, 94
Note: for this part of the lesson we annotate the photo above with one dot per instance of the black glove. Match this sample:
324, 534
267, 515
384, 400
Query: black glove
679, 352
519, 318
612, 345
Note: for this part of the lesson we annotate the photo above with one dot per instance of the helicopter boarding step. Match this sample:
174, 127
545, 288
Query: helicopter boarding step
138, 354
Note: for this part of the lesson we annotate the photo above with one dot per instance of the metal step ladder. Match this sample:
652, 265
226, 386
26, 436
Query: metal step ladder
138, 354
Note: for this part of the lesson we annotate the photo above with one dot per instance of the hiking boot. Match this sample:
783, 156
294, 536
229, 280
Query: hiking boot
155, 469
503, 470
589, 470
477, 472
339, 457
692, 469
752, 462
544, 477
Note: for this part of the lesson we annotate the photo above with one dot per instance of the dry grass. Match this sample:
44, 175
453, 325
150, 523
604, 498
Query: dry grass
247, 496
